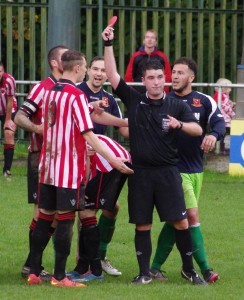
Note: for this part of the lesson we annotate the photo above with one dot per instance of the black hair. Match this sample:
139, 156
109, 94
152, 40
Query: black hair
152, 65
188, 62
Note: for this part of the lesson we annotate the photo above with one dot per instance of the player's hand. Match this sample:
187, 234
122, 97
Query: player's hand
119, 164
208, 143
9, 124
108, 33
39, 129
98, 106
90, 151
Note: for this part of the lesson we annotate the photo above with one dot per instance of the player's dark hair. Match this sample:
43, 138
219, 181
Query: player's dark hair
152, 65
188, 62
53, 53
70, 58
96, 58
1, 64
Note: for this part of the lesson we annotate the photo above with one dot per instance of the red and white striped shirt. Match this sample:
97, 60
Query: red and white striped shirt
99, 163
7, 88
63, 155
32, 106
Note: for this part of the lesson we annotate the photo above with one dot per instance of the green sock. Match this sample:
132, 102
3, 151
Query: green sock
199, 253
106, 230
165, 245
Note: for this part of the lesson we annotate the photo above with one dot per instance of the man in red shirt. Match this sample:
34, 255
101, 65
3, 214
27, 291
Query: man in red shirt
148, 51
8, 107
67, 128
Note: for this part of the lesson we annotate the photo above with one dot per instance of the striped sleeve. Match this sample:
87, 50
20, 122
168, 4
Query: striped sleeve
99, 163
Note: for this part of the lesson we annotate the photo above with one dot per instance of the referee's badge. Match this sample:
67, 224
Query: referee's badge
165, 124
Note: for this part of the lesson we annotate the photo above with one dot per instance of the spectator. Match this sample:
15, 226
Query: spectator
148, 51
227, 109
8, 108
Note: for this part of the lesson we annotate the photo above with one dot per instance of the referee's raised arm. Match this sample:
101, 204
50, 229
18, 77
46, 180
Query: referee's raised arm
109, 59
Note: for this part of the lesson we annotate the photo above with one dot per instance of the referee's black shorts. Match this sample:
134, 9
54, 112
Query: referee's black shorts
157, 186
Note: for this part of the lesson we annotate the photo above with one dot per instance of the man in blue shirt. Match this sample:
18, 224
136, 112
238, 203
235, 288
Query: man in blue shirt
191, 151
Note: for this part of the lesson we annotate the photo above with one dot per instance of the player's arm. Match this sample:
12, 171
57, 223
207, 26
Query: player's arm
105, 118
116, 162
109, 59
191, 128
9, 106
124, 131
217, 127
23, 121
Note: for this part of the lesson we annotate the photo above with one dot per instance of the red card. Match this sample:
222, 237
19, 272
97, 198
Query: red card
113, 20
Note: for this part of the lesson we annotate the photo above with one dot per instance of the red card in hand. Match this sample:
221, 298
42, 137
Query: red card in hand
113, 20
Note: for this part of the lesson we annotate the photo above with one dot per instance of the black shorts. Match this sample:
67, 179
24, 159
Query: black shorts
103, 190
32, 176
3, 118
160, 187
51, 197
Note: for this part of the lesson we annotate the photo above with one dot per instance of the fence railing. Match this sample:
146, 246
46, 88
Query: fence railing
25, 85
209, 31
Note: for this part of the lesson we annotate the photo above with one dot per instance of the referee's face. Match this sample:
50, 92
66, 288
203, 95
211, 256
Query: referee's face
154, 82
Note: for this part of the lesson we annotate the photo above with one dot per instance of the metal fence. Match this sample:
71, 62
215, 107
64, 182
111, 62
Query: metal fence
209, 31
26, 85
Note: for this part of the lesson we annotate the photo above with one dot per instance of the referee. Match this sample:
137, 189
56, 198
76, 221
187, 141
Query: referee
154, 120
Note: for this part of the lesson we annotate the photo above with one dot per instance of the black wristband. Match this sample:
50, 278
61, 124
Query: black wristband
181, 125
108, 43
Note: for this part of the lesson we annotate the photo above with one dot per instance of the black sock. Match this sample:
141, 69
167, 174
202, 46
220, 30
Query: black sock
83, 261
8, 153
40, 239
63, 237
31, 228
143, 247
91, 240
184, 245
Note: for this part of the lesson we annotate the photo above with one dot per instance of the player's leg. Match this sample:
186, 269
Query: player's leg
32, 186
40, 235
172, 208
106, 225
140, 204
64, 232
165, 244
192, 184
103, 191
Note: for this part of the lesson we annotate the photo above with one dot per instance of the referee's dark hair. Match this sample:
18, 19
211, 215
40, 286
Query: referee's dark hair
53, 53
96, 58
152, 65
188, 62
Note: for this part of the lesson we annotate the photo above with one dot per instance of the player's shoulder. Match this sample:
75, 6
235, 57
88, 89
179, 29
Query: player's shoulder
8, 78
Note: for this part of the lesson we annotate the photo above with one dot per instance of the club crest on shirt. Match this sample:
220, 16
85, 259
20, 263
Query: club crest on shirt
196, 102
52, 113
